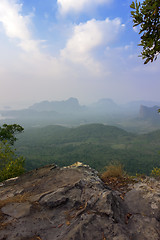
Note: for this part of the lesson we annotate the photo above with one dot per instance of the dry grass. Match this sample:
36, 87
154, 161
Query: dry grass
17, 198
114, 171
117, 179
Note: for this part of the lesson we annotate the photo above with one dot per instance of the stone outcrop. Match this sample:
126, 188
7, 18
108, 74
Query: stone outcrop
143, 202
72, 203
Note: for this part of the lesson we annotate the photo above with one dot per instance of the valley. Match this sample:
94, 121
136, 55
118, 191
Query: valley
94, 144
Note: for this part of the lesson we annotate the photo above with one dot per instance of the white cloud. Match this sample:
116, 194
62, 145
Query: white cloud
16, 25
66, 6
89, 36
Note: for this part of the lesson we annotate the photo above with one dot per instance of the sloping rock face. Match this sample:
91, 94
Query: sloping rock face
72, 203
143, 202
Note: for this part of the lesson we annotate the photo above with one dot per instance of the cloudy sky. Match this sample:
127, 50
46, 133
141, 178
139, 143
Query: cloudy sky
56, 49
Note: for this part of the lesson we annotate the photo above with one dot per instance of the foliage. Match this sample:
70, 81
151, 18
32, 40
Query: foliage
113, 170
7, 132
147, 15
10, 164
155, 172
96, 145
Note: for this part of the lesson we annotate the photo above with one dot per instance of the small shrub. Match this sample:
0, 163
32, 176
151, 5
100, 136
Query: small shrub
155, 172
117, 179
114, 171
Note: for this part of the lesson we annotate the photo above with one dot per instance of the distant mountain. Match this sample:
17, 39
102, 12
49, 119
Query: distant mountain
109, 106
71, 113
105, 105
135, 105
70, 105
149, 113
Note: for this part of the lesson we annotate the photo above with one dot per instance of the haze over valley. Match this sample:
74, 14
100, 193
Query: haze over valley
63, 132
136, 116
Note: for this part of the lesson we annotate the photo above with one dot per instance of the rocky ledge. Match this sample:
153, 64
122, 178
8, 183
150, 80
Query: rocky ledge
72, 203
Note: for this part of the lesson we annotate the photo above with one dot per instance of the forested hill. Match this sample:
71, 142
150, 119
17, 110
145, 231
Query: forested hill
93, 144
55, 134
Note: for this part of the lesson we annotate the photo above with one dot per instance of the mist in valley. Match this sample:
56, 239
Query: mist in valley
135, 116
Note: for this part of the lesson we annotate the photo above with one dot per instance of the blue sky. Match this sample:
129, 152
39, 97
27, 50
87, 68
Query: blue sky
56, 49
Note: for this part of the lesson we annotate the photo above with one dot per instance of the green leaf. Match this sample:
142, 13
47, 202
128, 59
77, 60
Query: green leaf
147, 61
132, 12
132, 5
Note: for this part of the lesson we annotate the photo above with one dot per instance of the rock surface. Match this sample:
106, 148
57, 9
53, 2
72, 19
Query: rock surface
72, 203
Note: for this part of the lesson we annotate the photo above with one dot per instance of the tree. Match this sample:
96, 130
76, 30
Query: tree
10, 164
147, 16
8, 132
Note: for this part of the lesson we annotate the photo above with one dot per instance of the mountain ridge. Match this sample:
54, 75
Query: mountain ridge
71, 113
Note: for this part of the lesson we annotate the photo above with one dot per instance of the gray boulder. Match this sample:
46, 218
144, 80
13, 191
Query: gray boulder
72, 203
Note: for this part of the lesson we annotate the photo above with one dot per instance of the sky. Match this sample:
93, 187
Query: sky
56, 49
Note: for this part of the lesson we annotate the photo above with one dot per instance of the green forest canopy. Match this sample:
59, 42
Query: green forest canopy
95, 144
